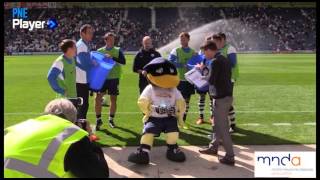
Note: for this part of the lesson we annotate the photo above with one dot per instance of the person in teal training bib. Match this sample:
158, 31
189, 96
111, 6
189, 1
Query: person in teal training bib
179, 57
111, 85
62, 74
62, 77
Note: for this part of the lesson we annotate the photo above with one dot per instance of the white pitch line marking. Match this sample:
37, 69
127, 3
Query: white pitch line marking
20, 113
251, 124
309, 124
281, 124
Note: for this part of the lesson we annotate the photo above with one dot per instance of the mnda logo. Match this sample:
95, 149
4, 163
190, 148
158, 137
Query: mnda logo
280, 160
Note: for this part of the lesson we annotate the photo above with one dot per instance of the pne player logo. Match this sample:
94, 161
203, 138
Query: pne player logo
20, 16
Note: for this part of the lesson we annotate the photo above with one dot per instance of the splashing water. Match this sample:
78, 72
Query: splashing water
238, 34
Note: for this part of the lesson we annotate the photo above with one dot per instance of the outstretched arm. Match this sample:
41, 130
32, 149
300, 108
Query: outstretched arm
84, 61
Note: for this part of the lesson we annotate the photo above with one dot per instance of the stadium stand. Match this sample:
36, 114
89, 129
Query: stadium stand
285, 29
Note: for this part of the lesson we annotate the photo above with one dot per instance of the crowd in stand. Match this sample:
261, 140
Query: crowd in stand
276, 29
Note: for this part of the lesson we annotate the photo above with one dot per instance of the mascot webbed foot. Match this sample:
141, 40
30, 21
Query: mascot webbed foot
174, 153
139, 157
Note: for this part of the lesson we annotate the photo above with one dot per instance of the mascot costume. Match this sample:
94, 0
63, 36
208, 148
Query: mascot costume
163, 107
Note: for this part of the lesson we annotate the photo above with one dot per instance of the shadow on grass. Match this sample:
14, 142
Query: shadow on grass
209, 130
248, 137
132, 141
193, 139
196, 131
196, 136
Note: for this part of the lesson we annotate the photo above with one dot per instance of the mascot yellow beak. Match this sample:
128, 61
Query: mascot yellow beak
164, 81
162, 73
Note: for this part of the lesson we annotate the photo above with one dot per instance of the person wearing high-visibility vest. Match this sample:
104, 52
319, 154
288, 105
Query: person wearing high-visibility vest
62, 74
111, 84
62, 77
179, 57
52, 146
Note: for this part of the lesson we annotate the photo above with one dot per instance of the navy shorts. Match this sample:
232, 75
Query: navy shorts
186, 89
157, 125
201, 92
111, 86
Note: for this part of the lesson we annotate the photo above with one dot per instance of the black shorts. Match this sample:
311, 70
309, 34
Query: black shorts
186, 89
143, 83
157, 125
201, 92
83, 91
111, 87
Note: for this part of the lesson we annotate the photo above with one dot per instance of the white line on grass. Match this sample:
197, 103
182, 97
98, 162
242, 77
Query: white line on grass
310, 124
251, 124
35, 113
244, 124
281, 124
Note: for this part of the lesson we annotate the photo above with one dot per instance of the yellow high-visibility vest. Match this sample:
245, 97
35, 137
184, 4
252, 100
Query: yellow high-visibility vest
37, 147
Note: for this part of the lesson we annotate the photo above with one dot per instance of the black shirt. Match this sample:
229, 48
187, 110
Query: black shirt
142, 58
220, 76
85, 159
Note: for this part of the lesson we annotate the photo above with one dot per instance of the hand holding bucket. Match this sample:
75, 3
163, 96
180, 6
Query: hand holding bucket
193, 61
99, 73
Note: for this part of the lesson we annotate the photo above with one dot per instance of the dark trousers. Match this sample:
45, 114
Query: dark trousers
143, 83
83, 91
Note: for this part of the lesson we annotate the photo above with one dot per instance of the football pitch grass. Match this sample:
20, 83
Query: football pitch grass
275, 101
